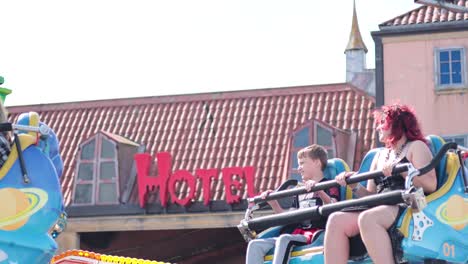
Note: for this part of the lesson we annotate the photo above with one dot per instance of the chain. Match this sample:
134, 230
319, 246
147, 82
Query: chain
397, 153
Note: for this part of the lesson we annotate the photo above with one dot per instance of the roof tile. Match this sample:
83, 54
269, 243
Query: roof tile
426, 14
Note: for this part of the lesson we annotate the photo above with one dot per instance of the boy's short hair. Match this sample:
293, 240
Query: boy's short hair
314, 152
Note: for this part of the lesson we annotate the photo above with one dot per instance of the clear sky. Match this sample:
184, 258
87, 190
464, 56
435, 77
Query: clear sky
63, 50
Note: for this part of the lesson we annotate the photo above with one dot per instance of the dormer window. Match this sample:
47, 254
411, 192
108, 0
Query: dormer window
96, 179
337, 142
314, 132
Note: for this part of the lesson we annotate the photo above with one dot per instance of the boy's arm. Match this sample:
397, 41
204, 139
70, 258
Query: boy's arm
326, 199
332, 195
273, 203
275, 206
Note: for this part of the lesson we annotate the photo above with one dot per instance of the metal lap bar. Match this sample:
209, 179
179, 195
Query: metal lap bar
319, 212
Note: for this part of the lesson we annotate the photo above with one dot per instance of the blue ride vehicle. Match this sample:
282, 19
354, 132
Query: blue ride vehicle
433, 229
31, 211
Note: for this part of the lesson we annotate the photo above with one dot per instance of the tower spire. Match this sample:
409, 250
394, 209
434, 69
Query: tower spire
355, 39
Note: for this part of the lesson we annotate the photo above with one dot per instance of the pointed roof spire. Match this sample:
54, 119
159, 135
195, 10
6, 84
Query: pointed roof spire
355, 40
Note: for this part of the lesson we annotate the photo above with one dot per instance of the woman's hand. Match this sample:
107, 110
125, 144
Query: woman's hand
341, 178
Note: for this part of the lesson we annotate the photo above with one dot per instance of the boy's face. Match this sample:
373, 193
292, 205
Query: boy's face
309, 168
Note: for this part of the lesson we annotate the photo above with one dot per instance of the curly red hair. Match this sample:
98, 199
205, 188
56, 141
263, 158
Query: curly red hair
401, 119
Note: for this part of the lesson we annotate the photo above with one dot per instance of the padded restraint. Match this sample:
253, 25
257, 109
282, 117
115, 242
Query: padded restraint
334, 167
435, 143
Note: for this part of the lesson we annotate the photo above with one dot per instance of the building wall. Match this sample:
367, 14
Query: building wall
409, 77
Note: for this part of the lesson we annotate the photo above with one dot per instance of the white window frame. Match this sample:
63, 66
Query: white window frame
96, 161
312, 125
329, 129
443, 87
77, 167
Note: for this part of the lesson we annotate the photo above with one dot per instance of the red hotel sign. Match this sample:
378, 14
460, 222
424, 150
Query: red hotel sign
166, 180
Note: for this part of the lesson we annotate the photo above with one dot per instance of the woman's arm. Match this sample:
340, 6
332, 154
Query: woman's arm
420, 155
359, 190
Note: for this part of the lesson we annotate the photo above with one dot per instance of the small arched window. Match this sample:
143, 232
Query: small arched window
96, 180
313, 132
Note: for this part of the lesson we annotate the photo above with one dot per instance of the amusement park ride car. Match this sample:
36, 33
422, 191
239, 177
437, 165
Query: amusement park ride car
433, 229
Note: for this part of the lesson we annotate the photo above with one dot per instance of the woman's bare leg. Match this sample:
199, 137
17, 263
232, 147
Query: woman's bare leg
340, 227
374, 224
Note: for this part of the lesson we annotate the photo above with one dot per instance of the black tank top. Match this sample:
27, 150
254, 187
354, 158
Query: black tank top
391, 183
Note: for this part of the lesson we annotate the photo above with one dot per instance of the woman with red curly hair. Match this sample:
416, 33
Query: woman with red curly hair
399, 130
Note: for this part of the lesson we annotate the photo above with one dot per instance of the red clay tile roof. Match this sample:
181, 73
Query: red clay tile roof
248, 128
426, 15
